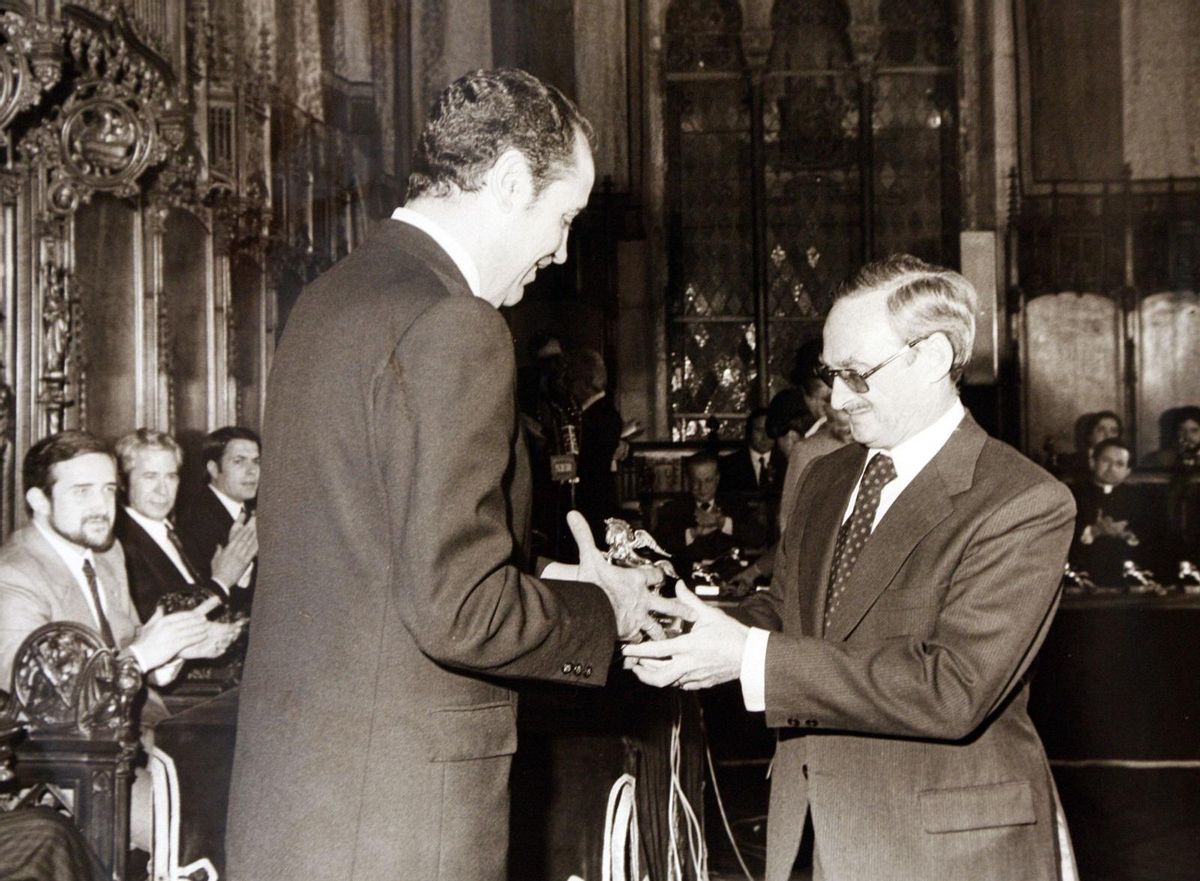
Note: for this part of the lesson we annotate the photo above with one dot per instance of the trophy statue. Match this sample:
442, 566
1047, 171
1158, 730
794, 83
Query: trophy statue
1189, 577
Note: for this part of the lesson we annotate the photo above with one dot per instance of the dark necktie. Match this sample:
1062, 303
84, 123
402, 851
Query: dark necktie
173, 538
105, 630
855, 531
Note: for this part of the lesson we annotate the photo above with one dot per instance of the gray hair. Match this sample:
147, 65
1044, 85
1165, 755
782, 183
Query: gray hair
128, 447
922, 299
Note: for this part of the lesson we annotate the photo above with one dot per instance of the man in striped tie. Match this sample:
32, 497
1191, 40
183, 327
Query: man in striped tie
915, 581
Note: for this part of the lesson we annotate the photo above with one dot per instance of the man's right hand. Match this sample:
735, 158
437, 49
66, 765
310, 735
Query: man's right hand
628, 589
231, 560
163, 637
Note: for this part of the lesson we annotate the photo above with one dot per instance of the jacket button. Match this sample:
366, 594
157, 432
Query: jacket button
793, 722
811, 723
577, 669
587, 671
566, 668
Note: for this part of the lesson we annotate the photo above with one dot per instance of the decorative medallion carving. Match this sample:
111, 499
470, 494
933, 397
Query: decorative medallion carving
30, 62
121, 117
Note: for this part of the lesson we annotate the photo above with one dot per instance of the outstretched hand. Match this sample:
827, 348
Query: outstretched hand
628, 589
709, 654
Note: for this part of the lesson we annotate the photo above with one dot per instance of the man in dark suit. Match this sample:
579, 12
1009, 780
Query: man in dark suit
155, 559
586, 379
376, 725
754, 468
697, 527
918, 574
221, 515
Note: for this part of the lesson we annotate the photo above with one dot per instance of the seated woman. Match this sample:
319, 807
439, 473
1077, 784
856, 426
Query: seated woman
1181, 427
1090, 430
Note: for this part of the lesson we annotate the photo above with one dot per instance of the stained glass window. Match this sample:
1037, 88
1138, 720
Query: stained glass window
824, 197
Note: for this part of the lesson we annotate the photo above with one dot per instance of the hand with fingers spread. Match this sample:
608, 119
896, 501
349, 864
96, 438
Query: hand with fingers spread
709, 654
628, 589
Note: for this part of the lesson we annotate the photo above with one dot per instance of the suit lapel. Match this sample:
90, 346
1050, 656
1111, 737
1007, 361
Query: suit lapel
924, 503
820, 535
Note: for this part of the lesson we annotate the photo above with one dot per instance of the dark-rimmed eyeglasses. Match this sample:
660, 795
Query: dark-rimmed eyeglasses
856, 381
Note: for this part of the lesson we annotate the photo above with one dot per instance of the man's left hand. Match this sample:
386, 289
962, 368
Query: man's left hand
711, 653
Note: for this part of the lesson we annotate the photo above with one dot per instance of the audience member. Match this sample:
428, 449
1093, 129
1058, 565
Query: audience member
753, 469
1090, 429
698, 527
66, 566
156, 561
1112, 522
586, 379
1181, 447
218, 515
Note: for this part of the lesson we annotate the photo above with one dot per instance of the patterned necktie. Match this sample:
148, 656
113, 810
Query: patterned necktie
173, 538
105, 630
855, 531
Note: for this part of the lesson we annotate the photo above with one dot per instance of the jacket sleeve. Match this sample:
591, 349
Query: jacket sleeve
1001, 597
23, 609
444, 428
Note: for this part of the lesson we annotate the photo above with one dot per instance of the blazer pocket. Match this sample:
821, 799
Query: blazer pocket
478, 732
977, 807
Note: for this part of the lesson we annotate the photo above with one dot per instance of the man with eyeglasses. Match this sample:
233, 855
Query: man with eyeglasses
917, 577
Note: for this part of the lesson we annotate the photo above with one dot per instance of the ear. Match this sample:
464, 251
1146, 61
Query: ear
38, 502
213, 469
510, 180
939, 355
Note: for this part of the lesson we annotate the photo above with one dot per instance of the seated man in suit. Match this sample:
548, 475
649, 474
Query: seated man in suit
216, 517
753, 469
697, 527
66, 566
155, 560
1114, 520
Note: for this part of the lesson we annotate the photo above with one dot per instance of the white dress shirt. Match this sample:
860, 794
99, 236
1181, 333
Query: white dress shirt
453, 248
909, 458
157, 530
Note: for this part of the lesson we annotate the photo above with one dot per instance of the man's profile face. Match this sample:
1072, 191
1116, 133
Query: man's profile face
153, 483
539, 236
859, 335
702, 481
1188, 433
760, 441
1111, 466
236, 474
82, 502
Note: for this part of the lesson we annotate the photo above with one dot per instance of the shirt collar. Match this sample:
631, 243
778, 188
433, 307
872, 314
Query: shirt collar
69, 552
156, 528
910, 456
593, 399
816, 426
233, 506
453, 248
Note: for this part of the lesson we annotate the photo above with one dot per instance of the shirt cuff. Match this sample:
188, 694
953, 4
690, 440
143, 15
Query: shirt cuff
561, 571
754, 670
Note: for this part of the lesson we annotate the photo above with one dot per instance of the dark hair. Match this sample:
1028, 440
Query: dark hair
484, 113
37, 470
1108, 443
701, 457
786, 412
756, 413
1085, 424
213, 446
585, 367
922, 299
804, 372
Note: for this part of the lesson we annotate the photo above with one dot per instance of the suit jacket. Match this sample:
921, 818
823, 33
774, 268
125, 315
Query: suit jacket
202, 524
596, 493
36, 588
737, 473
376, 723
150, 571
903, 728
